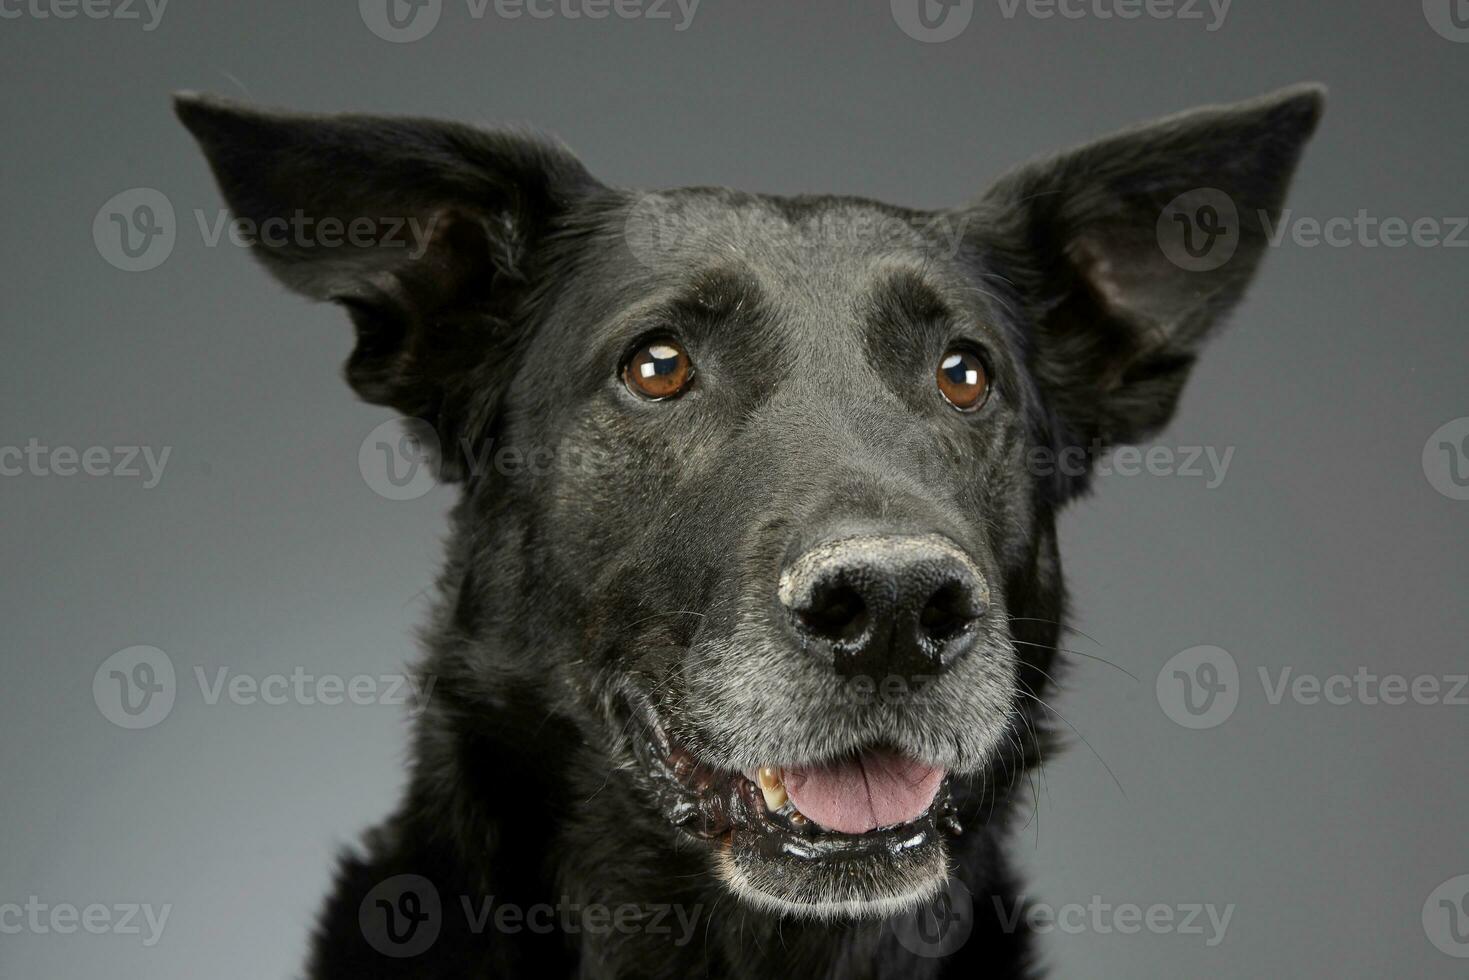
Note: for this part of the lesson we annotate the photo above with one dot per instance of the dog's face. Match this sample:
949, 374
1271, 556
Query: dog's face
761, 491
791, 496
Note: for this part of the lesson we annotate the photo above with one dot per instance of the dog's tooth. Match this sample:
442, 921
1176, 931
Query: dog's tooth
771, 787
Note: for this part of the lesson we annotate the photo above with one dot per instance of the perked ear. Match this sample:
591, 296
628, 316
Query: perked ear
430, 234
1125, 253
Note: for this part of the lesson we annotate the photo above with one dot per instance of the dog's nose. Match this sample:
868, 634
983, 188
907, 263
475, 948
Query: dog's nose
883, 603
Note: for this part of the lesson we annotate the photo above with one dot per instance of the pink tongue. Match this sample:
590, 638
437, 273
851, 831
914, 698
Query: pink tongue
878, 789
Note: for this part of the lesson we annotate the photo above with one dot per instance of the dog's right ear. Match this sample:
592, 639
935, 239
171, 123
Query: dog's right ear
1118, 309
428, 232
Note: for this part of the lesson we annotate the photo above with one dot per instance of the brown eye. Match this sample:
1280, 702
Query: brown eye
962, 380
658, 370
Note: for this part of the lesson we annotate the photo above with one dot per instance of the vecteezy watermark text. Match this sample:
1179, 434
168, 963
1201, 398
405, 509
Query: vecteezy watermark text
1207, 463
90, 9
1365, 230
935, 21
1100, 917
405, 21
657, 225
894, 690
300, 230
124, 462
63, 919
1183, 10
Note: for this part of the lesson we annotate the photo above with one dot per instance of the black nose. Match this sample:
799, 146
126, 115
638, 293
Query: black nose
878, 604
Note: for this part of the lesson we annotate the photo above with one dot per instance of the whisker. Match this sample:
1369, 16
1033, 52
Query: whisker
671, 612
1077, 653
1065, 626
1080, 736
1040, 766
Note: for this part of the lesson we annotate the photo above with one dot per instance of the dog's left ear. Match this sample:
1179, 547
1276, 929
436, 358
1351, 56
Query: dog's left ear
1127, 251
432, 235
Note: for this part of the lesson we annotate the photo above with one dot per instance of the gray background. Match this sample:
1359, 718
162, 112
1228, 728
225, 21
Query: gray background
263, 549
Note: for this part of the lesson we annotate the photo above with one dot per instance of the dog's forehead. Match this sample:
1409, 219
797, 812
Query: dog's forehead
799, 250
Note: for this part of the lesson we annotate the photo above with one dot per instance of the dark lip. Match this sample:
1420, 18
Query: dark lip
723, 806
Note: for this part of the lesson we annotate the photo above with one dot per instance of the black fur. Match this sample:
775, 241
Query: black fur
627, 556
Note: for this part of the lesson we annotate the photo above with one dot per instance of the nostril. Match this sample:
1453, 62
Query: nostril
948, 612
882, 602
835, 612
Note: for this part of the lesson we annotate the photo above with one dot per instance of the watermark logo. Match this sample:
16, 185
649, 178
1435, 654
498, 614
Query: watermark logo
135, 688
649, 227
1202, 686
402, 916
1449, 18
401, 21
397, 459
939, 926
1199, 687
1446, 459
1446, 917
933, 21
400, 459
1199, 229
135, 230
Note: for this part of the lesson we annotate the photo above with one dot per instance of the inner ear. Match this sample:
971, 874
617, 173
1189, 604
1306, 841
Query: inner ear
1100, 366
1117, 278
405, 314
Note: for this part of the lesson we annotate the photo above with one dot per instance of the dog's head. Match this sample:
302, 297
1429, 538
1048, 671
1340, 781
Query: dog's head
760, 491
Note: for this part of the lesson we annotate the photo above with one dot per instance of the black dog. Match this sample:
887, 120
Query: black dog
753, 591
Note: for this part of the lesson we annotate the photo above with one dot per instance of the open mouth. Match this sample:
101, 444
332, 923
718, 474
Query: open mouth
857, 835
